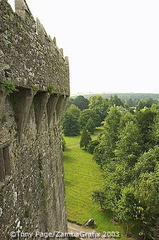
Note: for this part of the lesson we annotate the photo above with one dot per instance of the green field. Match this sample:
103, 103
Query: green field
82, 176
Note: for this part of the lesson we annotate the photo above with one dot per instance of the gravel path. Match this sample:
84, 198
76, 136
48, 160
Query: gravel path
86, 233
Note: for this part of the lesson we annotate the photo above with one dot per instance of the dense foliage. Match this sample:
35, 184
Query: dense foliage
70, 124
100, 105
75, 120
128, 153
85, 139
80, 102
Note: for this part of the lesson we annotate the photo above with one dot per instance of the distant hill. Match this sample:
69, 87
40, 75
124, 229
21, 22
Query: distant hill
123, 96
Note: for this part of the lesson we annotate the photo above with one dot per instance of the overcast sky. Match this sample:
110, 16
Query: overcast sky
113, 45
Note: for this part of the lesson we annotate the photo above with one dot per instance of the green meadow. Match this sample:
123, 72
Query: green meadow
82, 177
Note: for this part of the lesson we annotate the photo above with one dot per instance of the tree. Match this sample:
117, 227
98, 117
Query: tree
128, 147
115, 100
113, 121
104, 152
127, 209
147, 162
70, 125
86, 115
99, 197
127, 117
147, 102
100, 105
85, 139
81, 102
146, 192
70, 101
116, 177
92, 145
146, 120
90, 126
130, 102
155, 130
74, 110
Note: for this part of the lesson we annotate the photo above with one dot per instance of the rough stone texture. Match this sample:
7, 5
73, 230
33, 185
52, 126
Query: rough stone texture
27, 54
32, 196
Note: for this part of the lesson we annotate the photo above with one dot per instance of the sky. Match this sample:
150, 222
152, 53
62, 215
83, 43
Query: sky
112, 45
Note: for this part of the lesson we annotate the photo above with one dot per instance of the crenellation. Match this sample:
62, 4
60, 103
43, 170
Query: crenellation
67, 60
19, 39
61, 51
21, 5
52, 47
41, 31
54, 40
23, 11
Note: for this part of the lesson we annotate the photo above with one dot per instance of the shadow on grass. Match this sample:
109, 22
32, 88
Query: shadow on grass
68, 159
106, 213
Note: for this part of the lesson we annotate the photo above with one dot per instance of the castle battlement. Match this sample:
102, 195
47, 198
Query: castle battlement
28, 53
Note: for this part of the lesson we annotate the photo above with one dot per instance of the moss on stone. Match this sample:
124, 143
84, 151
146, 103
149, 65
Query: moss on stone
8, 86
51, 88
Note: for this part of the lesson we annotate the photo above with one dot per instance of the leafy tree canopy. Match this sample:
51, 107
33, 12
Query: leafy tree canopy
74, 110
70, 124
115, 100
86, 115
90, 126
128, 154
100, 105
81, 102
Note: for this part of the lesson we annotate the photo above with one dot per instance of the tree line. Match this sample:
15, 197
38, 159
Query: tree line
125, 96
83, 113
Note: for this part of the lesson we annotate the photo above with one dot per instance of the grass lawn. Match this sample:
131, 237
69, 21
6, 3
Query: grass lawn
71, 141
82, 176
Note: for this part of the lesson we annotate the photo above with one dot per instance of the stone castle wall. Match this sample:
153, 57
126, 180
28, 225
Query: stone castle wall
32, 196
